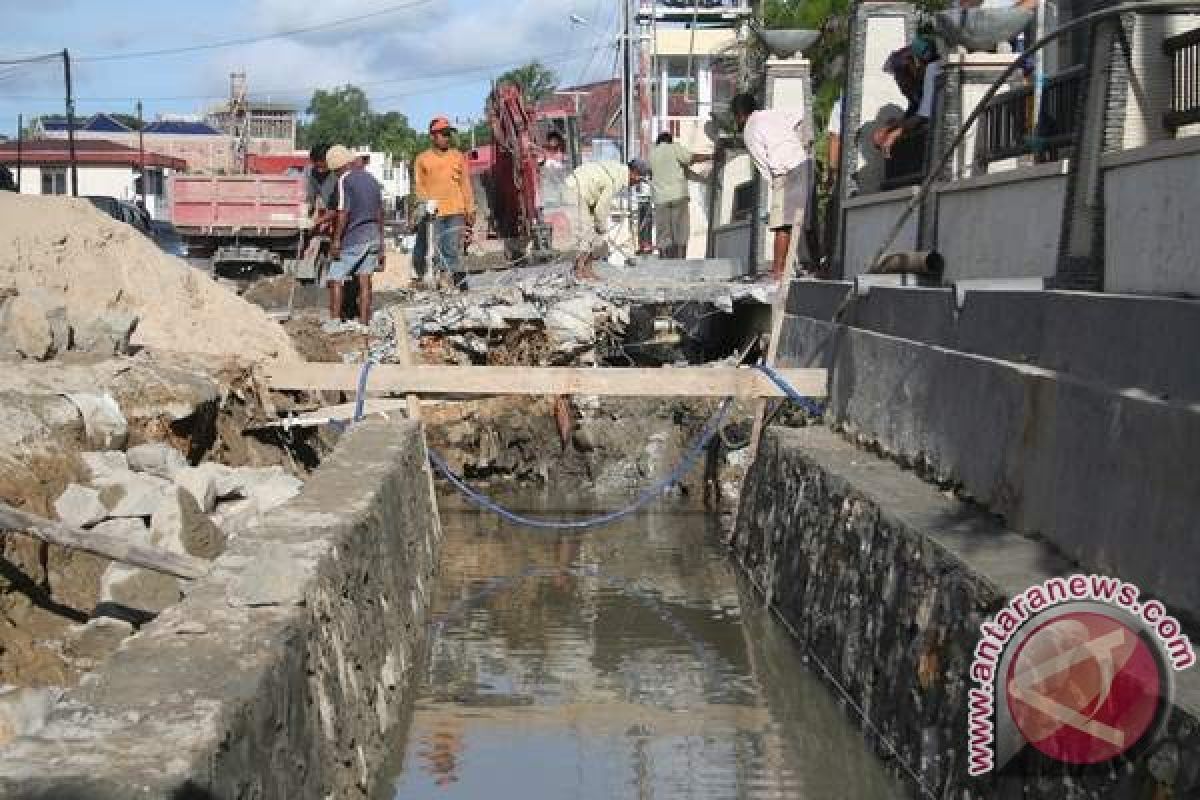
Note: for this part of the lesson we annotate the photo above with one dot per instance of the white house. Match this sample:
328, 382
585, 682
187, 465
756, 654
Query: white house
391, 174
42, 166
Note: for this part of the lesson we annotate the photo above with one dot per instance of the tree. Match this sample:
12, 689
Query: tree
537, 81
340, 115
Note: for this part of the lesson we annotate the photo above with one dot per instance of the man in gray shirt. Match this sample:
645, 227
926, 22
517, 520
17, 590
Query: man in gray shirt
358, 232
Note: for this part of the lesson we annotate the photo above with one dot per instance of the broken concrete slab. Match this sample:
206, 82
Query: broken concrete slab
96, 639
34, 324
201, 482
133, 494
80, 506
103, 422
156, 458
23, 712
138, 589
102, 464
181, 527
105, 334
131, 529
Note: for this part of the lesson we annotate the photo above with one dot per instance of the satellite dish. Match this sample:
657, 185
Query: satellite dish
786, 43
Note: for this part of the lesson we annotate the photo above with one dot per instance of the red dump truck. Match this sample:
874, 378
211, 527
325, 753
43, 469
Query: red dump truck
246, 225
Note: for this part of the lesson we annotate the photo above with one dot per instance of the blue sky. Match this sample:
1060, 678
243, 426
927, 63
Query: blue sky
429, 58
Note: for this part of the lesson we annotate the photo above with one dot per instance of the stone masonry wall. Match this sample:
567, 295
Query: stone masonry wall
886, 580
286, 673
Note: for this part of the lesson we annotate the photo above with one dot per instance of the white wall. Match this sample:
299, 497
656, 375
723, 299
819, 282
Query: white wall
1005, 225
1152, 226
869, 218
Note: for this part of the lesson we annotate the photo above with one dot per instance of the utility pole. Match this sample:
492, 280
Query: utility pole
626, 80
20, 146
66, 56
141, 152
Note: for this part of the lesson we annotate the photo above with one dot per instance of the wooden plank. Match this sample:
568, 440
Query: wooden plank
110, 547
404, 352
613, 381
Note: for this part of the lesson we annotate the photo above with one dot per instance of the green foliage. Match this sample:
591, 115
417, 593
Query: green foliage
536, 80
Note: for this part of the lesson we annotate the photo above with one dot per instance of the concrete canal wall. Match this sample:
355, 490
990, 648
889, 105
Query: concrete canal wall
886, 580
287, 672
1067, 427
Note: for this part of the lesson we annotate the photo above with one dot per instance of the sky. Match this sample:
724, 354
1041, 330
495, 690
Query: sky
420, 57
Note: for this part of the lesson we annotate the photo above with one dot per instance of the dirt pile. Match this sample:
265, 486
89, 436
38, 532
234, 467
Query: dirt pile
97, 265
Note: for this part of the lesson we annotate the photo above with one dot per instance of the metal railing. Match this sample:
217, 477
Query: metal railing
1006, 125
1184, 52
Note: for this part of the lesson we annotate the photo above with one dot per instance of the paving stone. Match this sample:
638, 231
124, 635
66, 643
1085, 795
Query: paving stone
181, 527
80, 506
156, 458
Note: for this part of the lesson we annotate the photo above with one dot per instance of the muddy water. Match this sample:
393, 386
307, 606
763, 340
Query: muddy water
624, 663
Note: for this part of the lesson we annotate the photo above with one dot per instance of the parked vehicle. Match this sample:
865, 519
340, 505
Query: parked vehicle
246, 225
168, 239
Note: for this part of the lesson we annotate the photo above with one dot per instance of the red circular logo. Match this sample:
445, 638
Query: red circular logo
1083, 687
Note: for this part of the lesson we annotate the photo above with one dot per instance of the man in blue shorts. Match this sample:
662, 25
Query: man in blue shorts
357, 248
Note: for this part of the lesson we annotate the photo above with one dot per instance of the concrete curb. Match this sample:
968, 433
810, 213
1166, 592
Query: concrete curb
286, 672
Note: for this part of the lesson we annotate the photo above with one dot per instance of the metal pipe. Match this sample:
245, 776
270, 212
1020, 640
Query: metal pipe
1139, 7
915, 262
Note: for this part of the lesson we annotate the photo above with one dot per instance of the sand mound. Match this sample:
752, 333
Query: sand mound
66, 245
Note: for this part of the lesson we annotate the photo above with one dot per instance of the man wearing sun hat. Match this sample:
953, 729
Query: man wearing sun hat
357, 247
443, 182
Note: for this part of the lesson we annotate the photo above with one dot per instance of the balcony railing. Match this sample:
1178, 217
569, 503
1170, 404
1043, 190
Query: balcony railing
1006, 125
1184, 52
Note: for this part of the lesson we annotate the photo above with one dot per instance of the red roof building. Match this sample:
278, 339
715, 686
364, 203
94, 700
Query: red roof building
96, 152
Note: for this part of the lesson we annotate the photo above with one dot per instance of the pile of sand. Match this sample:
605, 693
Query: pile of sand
65, 245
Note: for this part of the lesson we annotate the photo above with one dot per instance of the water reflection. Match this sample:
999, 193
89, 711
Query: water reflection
617, 664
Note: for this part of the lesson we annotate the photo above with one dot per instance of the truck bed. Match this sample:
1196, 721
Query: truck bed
245, 205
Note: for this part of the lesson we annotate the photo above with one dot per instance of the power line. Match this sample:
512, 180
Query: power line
30, 59
555, 57
336, 23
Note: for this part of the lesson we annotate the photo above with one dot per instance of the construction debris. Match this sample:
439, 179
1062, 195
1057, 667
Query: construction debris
87, 264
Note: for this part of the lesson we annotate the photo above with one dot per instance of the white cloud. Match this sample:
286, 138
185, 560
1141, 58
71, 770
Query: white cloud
415, 48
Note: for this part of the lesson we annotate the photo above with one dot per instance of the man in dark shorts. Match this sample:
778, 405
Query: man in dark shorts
358, 232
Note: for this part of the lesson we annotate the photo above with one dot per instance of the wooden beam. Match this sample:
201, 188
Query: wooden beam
100, 544
613, 381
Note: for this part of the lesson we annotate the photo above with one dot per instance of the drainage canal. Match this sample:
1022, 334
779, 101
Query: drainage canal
625, 662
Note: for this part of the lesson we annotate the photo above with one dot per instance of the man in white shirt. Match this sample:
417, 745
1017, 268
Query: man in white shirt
780, 149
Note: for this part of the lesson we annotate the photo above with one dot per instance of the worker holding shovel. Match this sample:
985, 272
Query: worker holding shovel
591, 189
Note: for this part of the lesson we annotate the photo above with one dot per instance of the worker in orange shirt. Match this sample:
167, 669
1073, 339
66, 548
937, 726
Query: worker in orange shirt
444, 185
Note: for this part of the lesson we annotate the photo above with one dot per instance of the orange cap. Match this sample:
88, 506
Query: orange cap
440, 124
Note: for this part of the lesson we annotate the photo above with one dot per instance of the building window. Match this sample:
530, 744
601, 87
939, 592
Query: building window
681, 87
54, 180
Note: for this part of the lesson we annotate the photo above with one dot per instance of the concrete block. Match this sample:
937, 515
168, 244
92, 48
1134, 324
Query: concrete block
102, 464
201, 483
134, 494
270, 487
107, 333
156, 458
181, 527
139, 589
23, 712
80, 506
276, 578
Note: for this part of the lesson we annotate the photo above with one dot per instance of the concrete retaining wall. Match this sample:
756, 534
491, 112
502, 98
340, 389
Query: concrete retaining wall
284, 674
1005, 225
1152, 230
886, 580
1110, 476
869, 218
